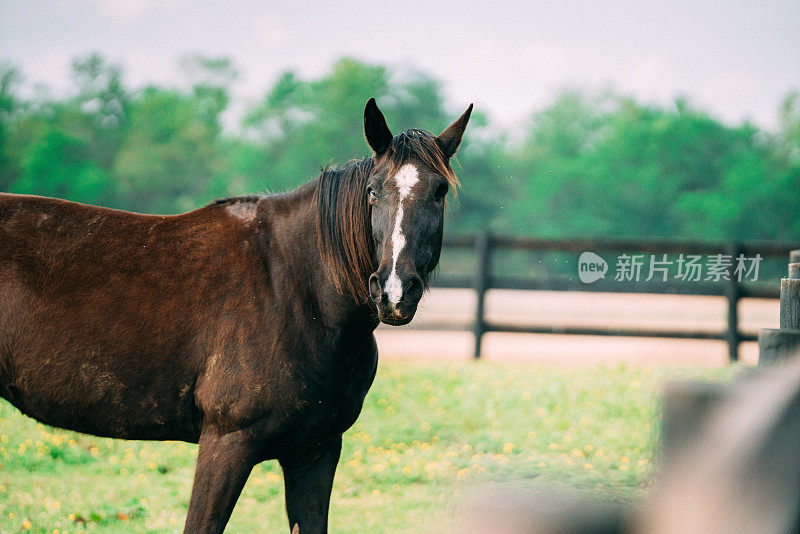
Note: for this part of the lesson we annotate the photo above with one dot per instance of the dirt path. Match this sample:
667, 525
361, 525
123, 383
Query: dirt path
576, 309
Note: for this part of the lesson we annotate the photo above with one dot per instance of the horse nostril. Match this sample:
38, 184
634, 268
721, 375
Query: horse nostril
375, 289
412, 289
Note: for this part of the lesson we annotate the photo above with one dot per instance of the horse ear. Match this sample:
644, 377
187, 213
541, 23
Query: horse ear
378, 135
450, 138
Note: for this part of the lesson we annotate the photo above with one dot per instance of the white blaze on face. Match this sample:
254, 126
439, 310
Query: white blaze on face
405, 178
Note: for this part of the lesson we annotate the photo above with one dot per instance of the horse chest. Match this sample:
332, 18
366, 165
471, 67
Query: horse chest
332, 405
328, 400
290, 397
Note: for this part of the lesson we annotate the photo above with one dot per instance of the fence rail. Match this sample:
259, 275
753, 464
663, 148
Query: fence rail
482, 280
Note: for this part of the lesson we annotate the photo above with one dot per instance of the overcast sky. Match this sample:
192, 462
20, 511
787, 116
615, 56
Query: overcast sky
734, 59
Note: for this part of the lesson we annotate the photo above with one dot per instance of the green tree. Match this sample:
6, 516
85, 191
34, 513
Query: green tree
300, 126
10, 106
606, 165
99, 110
169, 153
66, 148
61, 165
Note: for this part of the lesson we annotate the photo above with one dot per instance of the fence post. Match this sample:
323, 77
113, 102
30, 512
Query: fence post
733, 293
482, 252
775, 344
790, 294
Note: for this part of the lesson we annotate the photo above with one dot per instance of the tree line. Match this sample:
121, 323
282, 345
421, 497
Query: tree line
588, 164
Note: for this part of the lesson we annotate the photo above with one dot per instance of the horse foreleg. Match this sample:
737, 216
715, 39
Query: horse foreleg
309, 479
224, 462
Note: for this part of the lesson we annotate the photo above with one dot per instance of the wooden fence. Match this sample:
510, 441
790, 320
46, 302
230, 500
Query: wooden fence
484, 279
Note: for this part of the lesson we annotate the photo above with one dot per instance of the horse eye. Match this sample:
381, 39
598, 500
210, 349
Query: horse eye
440, 193
373, 196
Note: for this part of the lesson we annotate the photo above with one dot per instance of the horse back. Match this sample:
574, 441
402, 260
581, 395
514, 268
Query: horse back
105, 312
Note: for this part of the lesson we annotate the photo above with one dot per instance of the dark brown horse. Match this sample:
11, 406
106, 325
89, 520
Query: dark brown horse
245, 326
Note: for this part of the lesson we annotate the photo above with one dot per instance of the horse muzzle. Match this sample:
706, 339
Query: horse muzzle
395, 297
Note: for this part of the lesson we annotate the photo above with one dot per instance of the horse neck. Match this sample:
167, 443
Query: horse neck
292, 220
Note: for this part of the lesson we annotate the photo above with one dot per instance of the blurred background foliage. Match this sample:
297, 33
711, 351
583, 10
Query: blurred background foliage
587, 164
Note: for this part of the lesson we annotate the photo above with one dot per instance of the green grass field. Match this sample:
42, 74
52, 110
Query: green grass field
428, 436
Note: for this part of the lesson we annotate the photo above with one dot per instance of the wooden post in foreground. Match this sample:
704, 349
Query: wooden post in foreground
790, 295
784, 342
